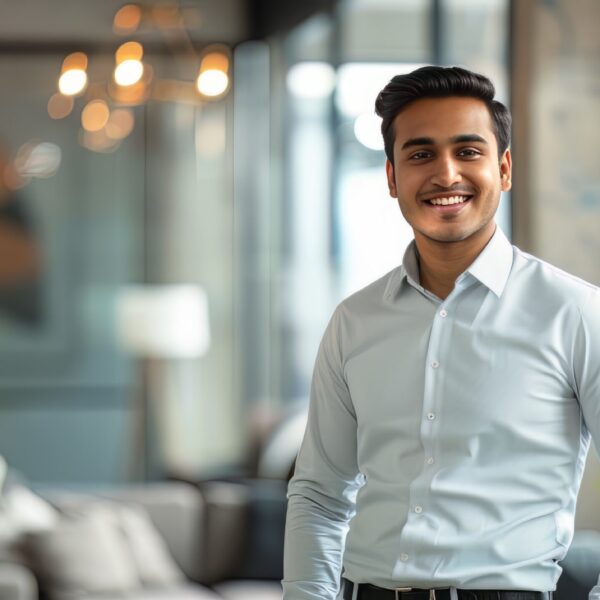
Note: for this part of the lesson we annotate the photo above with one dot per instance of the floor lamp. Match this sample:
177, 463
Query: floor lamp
156, 324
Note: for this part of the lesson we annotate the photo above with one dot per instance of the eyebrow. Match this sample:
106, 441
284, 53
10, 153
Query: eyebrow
457, 139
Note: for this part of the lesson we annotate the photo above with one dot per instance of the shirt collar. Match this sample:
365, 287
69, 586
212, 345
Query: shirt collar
492, 266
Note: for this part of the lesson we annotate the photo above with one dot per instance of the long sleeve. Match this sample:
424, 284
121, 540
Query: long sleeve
586, 358
323, 490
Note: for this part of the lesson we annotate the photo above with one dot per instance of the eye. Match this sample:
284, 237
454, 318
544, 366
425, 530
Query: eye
469, 153
420, 155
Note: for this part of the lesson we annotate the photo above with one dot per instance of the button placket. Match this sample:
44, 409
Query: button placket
431, 401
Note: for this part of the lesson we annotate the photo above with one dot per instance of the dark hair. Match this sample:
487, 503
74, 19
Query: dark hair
439, 82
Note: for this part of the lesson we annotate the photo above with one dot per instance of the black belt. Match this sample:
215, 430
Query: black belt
372, 592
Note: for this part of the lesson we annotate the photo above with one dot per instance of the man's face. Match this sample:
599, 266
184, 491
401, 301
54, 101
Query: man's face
445, 151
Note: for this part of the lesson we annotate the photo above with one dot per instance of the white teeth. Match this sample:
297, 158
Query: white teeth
450, 200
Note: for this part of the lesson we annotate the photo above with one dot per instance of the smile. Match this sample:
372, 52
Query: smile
449, 200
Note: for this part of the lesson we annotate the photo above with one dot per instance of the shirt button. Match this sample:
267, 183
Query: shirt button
431, 416
430, 460
443, 312
418, 509
404, 557
435, 364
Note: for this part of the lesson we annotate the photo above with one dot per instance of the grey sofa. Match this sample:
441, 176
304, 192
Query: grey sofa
203, 537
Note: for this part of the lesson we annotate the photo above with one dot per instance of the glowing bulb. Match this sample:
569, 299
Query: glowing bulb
212, 82
129, 72
72, 82
95, 115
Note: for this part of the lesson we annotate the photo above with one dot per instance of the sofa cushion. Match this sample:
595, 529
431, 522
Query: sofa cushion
154, 564
21, 512
85, 553
180, 592
102, 547
250, 590
17, 583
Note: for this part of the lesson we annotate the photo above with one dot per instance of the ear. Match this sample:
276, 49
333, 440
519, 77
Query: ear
389, 169
506, 171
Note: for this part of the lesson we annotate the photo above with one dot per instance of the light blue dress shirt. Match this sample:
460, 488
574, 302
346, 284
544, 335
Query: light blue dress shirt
447, 439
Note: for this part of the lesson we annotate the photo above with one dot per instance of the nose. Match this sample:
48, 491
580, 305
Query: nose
446, 172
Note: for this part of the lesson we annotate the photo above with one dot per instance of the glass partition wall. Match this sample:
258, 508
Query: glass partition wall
273, 200
85, 221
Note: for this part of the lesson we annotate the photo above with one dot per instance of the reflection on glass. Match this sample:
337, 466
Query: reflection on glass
98, 141
20, 255
95, 115
120, 124
311, 80
127, 19
37, 159
60, 106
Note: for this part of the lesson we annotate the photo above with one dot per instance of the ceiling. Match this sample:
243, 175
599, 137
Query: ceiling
38, 24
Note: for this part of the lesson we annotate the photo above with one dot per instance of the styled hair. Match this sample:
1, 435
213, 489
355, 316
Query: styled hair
439, 82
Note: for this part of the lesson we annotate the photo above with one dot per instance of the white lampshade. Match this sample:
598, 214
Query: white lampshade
168, 321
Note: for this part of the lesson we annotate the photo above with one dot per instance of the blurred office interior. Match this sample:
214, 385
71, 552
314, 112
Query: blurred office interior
167, 266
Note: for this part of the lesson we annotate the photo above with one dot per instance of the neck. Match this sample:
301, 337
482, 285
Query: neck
440, 263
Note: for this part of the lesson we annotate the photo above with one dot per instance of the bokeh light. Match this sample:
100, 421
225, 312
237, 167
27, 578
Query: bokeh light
311, 80
167, 17
129, 72
128, 19
120, 124
60, 106
215, 61
72, 82
98, 141
95, 115
129, 51
75, 60
367, 129
37, 159
212, 82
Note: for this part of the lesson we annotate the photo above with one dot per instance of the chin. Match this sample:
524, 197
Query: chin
447, 237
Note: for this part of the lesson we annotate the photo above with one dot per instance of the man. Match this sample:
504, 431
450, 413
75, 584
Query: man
453, 399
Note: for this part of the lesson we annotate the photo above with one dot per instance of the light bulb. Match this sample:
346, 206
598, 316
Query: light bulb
129, 72
72, 82
212, 82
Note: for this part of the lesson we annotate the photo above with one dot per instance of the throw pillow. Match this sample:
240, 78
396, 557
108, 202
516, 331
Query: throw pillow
85, 553
154, 564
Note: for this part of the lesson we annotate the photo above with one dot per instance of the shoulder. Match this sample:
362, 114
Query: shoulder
371, 297
550, 283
